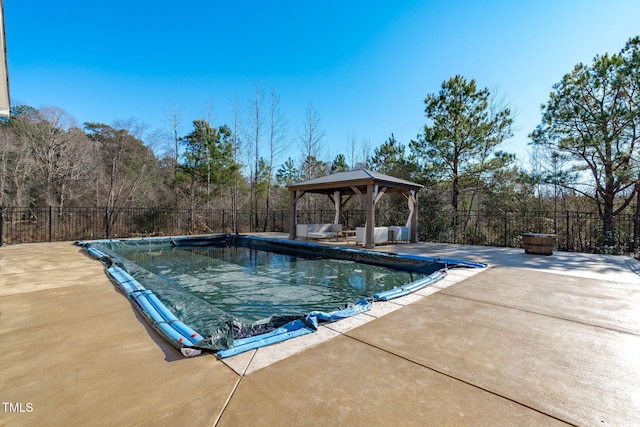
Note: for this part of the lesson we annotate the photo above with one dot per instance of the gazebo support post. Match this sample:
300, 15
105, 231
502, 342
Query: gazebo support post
295, 196
412, 221
371, 220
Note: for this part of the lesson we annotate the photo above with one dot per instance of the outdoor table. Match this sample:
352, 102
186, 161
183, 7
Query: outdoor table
348, 233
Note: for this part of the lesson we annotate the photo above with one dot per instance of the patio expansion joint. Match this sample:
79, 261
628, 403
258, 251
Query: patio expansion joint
226, 403
459, 379
511, 307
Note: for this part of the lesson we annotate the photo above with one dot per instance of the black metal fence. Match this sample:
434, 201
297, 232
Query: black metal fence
23, 225
576, 231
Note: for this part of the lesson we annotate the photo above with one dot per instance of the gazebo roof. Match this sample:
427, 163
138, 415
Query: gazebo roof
345, 181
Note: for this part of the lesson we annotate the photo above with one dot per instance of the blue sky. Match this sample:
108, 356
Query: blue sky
365, 65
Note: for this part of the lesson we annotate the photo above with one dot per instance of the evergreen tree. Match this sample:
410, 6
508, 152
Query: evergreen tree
463, 134
593, 118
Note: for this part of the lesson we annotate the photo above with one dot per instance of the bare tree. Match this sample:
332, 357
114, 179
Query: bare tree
5, 144
236, 146
255, 131
352, 146
208, 117
72, 168
21, 171
277, 135
174, 117
126, 160
365, 153
16, 167
59, 159
60, 149
310, 139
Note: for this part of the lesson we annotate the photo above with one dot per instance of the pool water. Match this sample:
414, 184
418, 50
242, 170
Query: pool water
253, 284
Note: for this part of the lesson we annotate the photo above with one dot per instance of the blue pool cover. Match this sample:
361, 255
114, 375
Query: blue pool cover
191, 325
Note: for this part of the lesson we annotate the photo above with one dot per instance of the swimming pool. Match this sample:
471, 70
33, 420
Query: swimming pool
241, 292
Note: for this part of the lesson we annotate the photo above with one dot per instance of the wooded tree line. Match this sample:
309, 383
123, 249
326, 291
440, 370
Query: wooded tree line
583, 154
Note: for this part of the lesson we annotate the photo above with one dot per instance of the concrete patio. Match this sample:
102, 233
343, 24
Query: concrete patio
531, 340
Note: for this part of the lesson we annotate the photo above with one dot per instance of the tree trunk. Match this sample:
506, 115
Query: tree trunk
455, 193
266, 216
636, 222
607, 222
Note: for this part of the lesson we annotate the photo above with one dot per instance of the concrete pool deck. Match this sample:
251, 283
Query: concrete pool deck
531, 340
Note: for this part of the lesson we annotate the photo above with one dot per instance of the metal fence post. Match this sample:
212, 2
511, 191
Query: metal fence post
455, 227
568, 235
50, 221
1, 223
106, 222
505, 229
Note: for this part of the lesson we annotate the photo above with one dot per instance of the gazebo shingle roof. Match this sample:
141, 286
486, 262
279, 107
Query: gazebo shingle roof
356, 178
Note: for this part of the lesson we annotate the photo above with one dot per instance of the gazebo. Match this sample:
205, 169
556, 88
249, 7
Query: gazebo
369, 186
